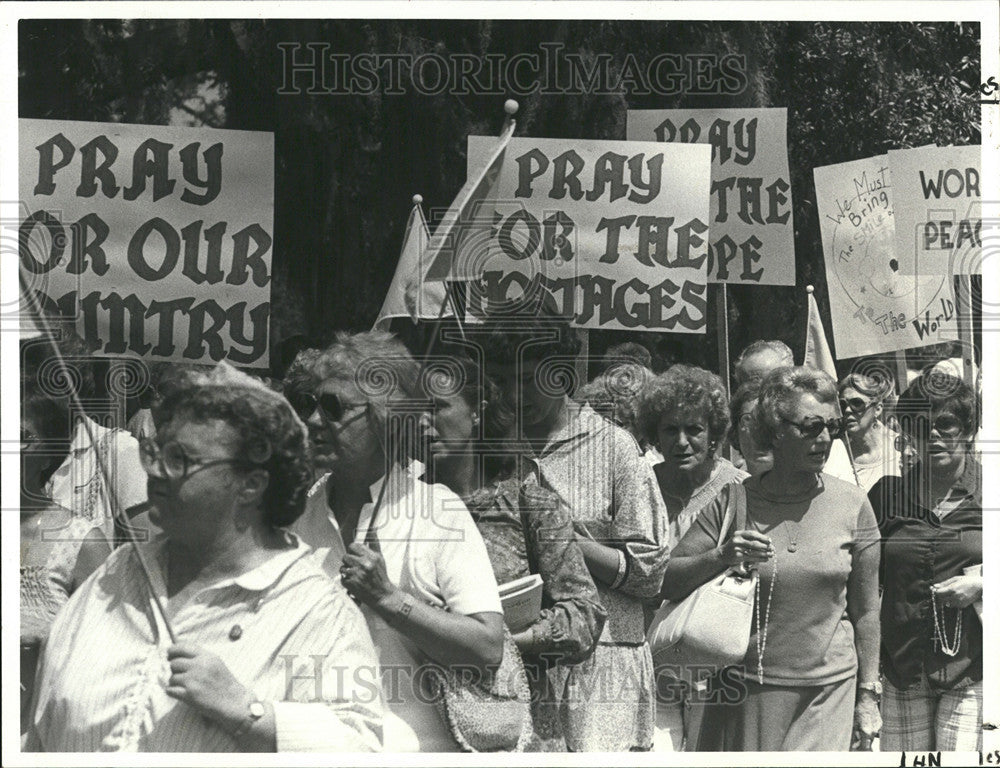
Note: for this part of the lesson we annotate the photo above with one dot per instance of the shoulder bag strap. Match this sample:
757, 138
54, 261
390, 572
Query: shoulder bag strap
728, 518
740, 499
526, 528
736, 511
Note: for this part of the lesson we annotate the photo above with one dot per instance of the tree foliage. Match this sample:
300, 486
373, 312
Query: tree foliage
347, 165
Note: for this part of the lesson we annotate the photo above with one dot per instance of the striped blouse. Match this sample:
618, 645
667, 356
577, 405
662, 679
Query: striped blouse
285, 630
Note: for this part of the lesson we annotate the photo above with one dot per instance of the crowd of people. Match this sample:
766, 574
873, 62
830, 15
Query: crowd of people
317, 563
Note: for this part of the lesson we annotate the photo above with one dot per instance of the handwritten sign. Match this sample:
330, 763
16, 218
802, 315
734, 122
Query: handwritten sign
875, 308
156, 239
938, 210
752, 235
616, 231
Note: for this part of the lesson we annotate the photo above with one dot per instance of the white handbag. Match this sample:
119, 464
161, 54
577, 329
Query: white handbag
710, 628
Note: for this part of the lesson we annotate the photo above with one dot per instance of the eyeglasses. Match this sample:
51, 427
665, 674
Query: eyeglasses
330, 406
811, 428
856, 405
172, 462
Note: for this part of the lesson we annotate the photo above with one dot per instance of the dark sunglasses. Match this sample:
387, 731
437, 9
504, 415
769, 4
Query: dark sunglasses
330, 405
811, 428
856, 405
946, 425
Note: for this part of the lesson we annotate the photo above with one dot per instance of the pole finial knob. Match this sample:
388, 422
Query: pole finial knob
511, 106
418, 199
810, 289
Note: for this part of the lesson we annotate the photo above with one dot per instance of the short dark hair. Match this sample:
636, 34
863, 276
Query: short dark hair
270, 437
627, 352
540, 337
510, 340
54, 421
40, 371
933, 392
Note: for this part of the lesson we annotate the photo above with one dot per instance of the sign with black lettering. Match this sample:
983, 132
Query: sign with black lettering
874, 306
753, 237
616, 231
156, 239
939, 217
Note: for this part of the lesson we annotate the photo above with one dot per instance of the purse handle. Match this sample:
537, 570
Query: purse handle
736, 511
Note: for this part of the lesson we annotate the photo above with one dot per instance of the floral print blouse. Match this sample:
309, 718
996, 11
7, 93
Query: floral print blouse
527, 530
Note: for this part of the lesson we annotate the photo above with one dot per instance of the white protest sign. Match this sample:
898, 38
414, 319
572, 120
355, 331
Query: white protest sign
938, 209
753, 236
875, 308
616, 231
157, 240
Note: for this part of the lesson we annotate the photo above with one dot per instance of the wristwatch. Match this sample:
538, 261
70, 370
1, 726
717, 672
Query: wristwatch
255, 711
875, 688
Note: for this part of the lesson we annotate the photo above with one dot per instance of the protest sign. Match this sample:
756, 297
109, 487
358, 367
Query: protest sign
616, 231
752, 234
156, 240
874, 307
938, 210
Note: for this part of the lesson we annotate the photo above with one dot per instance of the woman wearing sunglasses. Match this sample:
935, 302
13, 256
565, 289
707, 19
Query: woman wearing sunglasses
873, 445
811, 669
250, 614
419, 567
931, 520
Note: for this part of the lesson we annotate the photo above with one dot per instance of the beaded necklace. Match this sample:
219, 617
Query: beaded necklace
940, 634
762, 635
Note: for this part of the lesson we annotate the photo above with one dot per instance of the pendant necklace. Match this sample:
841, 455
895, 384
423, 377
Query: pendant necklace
792, 529
792, 532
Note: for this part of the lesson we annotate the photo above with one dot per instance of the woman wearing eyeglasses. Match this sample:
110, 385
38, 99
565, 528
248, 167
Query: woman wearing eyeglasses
873, 445
932, 553
262, 652
419, 567
811, 669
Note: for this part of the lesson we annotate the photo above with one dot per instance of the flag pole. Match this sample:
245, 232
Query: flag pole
510, 108
722, 331
722, 321
963, 300
116, 511
810, 300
